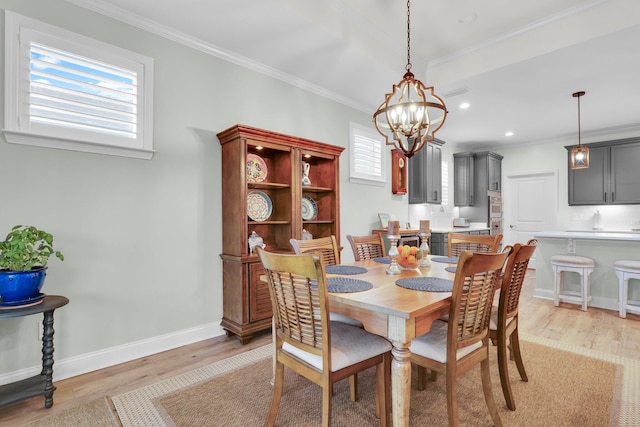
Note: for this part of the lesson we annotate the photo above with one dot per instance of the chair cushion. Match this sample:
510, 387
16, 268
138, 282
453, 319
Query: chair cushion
433, 345
493, 323
628, 265
572, 261
349, 345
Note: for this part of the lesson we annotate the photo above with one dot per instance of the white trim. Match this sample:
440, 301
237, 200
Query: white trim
210, 49
597, 302
356, 130
20, 31
88, 362
522, 30
24, 138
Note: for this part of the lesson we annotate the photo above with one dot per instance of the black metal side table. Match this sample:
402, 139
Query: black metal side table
39, 384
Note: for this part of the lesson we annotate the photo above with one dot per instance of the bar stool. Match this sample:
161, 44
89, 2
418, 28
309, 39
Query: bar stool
574, 264
626, 269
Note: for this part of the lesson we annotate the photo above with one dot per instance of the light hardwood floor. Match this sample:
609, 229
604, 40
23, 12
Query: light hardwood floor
597, 329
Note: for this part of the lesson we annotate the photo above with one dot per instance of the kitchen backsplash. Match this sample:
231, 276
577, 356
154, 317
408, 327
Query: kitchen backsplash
618, 217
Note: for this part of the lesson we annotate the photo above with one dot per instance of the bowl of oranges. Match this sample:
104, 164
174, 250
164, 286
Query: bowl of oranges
408, 256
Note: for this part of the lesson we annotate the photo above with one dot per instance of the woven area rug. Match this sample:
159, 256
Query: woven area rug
568, 385
96, 413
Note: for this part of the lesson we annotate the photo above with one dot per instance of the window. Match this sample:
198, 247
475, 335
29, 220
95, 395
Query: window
67, 91
367, 159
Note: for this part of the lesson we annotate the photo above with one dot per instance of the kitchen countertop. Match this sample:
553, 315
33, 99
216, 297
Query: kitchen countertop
622, 235
460, 229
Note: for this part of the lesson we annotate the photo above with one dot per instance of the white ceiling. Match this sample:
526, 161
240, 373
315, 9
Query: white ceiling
516, 62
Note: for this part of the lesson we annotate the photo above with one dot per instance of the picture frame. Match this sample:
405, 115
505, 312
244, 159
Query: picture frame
384, 220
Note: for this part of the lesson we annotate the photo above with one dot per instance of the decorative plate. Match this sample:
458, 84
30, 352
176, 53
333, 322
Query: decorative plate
309, 209
256, 168
259, 206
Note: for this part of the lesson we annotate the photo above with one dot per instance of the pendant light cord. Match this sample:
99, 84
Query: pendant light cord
578, 95
578, 120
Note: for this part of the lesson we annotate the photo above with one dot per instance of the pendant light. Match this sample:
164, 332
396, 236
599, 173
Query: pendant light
579, 155
412, 113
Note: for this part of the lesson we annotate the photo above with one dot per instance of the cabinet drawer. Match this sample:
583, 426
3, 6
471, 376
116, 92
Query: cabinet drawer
259, 298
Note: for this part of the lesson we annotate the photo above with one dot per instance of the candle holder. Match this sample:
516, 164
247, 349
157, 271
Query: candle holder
424, 250
393, 254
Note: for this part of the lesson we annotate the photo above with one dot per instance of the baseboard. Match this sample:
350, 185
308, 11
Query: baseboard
599, 302
88, 362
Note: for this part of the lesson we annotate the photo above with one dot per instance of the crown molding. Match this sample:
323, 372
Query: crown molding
154, 27
522, 30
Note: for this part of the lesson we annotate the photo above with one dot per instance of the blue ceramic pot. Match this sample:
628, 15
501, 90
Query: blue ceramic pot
21, 285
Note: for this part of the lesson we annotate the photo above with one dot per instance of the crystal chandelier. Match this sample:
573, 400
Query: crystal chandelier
579, 155
412, 113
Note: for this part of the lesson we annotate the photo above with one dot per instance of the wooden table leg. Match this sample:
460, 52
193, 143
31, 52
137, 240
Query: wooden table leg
400, 384
47, 358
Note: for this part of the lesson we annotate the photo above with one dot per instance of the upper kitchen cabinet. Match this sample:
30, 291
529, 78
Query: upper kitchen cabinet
488, 169
425, 174
612, 176
474, 174
463, 194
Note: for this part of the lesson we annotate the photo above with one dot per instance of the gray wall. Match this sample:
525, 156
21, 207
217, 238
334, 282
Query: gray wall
142, 238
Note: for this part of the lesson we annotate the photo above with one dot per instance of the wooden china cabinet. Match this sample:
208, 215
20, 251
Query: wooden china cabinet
262, 191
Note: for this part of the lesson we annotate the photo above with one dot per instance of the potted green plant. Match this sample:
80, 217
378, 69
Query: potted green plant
23, 263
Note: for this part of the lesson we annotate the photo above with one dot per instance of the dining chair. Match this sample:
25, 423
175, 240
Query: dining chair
326, 247
366, 247
454, 347
504, 316
460, 242
307, 342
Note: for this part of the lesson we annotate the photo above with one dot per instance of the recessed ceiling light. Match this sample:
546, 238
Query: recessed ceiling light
509, 133
465, 105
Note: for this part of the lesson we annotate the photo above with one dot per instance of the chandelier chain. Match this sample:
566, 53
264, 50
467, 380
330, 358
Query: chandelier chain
412, 113
408, 67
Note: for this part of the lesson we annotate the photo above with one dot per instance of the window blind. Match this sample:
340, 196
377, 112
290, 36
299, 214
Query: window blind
75, 92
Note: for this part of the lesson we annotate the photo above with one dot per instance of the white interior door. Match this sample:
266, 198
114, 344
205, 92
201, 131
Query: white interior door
531, 204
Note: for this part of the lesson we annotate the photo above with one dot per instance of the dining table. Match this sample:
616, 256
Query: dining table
397, 313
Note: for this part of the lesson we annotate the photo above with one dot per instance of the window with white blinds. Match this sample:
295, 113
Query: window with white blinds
71, 92
367, 156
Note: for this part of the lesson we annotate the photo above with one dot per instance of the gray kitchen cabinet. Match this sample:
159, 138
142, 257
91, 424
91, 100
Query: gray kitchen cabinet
625, 174
425, 174
590, 186
487, 172
474, 175
612, 176
463, 194
439, 243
